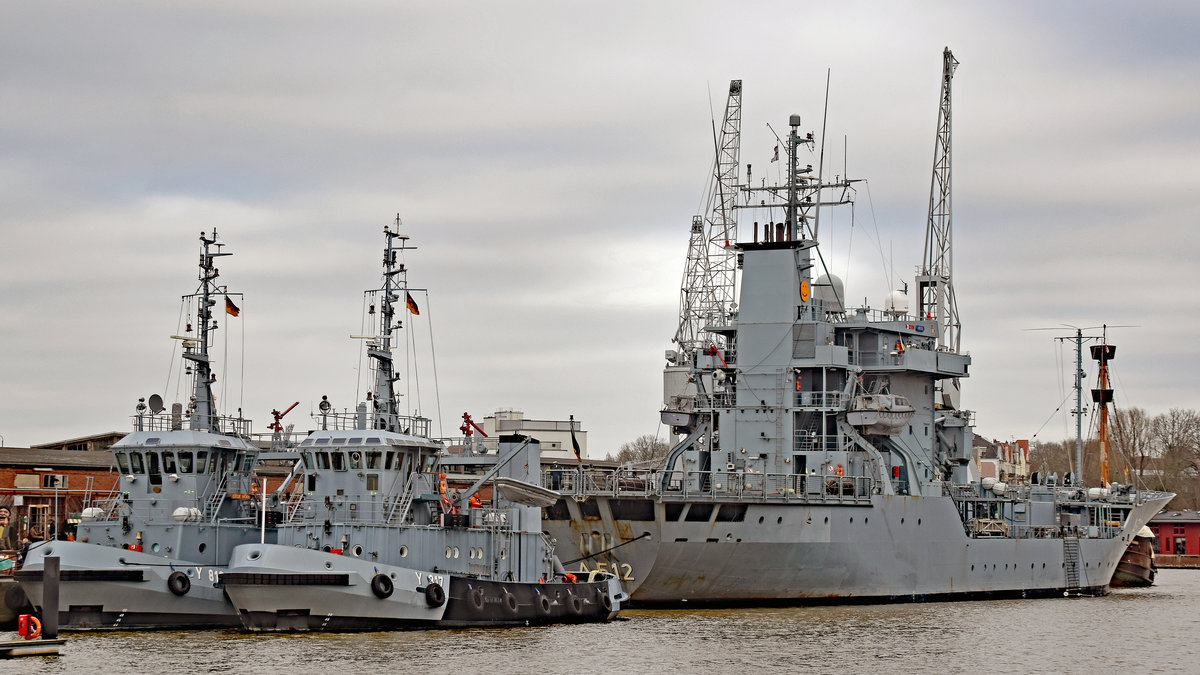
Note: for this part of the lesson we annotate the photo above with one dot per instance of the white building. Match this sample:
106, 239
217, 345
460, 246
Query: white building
555, 435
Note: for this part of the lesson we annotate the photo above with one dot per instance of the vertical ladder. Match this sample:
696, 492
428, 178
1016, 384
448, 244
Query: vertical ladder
1071, 560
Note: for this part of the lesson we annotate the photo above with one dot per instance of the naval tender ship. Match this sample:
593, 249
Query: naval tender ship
822, 454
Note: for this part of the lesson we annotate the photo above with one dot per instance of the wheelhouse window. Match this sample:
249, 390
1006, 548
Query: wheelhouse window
201, 461
168, 462
122, 462
308, 460
339, 461
185, 461
152, 468
323, 460
136, 463
373, 459
356, 460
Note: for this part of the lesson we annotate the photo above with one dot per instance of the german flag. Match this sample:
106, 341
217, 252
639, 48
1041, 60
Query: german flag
230, 308
575, 443
411, 304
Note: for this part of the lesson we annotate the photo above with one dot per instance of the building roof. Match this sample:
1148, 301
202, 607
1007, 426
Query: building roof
108, 435
1188, 516
27, 458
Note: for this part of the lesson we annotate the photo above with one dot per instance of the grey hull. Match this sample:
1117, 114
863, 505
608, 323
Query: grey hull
897, 548
103, 588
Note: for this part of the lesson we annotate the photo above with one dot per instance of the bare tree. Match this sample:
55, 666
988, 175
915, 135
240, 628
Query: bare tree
644, 450
1131, 439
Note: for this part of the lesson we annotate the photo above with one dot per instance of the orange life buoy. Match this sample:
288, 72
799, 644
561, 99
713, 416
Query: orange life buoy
839, 470
569, 577
442, 486
37, 628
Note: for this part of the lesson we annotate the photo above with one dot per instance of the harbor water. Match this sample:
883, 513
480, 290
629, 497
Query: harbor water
1154, 630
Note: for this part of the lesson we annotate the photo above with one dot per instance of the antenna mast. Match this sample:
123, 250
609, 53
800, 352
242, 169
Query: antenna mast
1103, 353
710, 278
935, 285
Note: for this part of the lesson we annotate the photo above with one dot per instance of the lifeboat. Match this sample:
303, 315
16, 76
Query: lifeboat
879, 413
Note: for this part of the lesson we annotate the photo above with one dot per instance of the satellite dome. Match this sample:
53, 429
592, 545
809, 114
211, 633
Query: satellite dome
896, 303
831, 291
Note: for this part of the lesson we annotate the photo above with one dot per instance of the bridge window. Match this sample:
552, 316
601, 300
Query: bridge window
136, 463
308, 460
122, 462
339, 461
356, 460
168, 462
373, 459
201, 461
185, 461
152, 468
322, 460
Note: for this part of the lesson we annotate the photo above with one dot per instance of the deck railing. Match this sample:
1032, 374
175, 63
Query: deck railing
710, 485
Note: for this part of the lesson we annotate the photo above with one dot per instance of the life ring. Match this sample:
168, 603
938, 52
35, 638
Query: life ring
435, 595
35, 628
510, 601
576, 604
442, 486
381, 586
544, 604
178, 583
476, 599
606, 601
840, 470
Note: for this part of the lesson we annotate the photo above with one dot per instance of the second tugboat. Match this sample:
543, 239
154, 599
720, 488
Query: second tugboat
377, 541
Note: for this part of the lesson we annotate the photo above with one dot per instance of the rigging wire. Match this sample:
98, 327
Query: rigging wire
888, 273
437, 394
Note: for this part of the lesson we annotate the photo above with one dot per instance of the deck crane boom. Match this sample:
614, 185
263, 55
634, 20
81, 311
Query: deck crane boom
709, 280
935, 283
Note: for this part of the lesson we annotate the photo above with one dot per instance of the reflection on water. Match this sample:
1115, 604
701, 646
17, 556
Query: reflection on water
1154, 629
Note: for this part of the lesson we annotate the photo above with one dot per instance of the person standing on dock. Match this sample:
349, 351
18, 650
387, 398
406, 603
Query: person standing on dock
8, 534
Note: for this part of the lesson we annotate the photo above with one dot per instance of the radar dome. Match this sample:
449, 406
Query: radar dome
896, 303
831, 291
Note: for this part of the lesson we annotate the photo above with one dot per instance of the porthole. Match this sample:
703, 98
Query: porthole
901, 521
153, 547
456, 552
826, 520
918, 521
447, 551
471, 553
760, 520
202, 546
357, 551
852, 519
403, 551
503, 553
779, 520
972, 568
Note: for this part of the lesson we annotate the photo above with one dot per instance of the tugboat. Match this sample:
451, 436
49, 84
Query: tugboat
149, 557
786, 483
378, 542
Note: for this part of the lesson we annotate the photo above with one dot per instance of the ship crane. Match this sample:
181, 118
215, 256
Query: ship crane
709, 279
935, 285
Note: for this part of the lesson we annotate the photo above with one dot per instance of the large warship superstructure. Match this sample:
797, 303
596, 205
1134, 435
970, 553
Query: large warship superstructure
150, 555
822, 452
376, 540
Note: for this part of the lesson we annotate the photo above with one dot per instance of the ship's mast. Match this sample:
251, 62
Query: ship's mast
709, 279
934, 283
386, 413
204, 415
1103, 353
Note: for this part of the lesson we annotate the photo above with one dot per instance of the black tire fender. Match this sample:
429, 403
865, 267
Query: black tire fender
381, 586
576, 604
476, 599
510, 601
178, 583
543, 604
606, 601
435, 595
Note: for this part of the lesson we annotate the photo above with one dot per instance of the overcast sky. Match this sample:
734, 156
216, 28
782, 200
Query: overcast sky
547, 158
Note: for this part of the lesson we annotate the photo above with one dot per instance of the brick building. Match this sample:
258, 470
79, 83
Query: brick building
41, 486
1176, 532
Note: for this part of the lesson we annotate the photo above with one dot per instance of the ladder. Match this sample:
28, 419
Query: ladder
213, 504
1071, 562
402, 502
